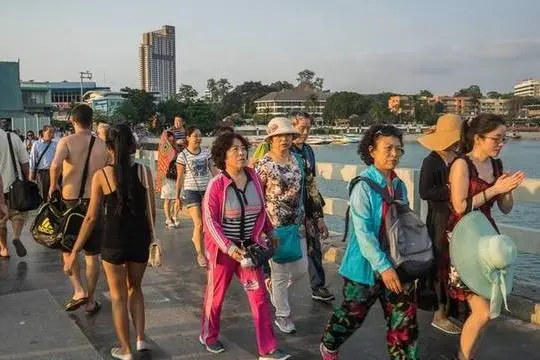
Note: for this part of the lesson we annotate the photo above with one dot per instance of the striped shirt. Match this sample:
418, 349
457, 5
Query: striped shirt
196, 169
178, 133
232, 217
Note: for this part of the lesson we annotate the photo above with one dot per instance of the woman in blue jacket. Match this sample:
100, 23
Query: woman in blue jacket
366, 268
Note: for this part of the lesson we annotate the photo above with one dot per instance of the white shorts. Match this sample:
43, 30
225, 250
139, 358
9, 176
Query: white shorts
168, 189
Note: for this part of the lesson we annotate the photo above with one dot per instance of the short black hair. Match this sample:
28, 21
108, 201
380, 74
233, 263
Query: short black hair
370, 139
222, 144
181, 116
82, 115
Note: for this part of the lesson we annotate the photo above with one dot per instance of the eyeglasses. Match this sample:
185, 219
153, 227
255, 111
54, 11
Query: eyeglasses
498, 140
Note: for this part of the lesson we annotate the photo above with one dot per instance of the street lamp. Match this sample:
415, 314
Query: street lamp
84, 75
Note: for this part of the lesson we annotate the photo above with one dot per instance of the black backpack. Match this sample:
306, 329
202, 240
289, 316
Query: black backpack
406, 239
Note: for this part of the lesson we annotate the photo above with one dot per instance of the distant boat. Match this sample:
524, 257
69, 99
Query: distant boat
340, 139
317, 140
354, 139
513, 135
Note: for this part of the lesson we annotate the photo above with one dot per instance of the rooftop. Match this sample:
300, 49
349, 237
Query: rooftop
300, 93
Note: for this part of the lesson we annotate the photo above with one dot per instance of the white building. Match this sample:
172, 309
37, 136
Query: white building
527, 88
301, 98
103, 100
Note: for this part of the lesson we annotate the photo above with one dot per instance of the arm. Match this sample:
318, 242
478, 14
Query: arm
22, 155
459, 188
151, 191
211, 210
3, 206
89, 220
428, 189
55, 171
362, 220
180, 171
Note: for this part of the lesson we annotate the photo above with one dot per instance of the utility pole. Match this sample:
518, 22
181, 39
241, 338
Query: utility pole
84, 75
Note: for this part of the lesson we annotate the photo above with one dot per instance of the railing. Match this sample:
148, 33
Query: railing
527, 239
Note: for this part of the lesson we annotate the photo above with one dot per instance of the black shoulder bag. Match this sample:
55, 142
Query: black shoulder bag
73, 218
23, 193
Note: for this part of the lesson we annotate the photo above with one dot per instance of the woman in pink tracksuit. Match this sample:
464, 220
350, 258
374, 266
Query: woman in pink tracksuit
234, 218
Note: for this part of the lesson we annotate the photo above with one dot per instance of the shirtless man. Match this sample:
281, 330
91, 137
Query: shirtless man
71, 153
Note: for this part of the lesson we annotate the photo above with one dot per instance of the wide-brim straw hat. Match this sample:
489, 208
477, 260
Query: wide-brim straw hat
446, 133
280, 126
484, 259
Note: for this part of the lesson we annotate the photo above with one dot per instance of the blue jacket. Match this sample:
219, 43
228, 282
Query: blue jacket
364, 256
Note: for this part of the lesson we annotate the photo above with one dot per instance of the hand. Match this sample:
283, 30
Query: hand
4, 212
238, 254
178, 203
68, 263
51, 192
391, 280
508, 182
323, 229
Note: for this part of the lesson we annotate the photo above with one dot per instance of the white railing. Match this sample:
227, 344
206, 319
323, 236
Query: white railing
527, 239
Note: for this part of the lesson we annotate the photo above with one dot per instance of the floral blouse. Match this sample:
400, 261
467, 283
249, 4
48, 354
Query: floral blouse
283, 185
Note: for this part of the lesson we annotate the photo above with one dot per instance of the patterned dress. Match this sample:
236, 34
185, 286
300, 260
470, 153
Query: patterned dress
456, 288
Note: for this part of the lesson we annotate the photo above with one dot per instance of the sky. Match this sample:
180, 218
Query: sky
366, 46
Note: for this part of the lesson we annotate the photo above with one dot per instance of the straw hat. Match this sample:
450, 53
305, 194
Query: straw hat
483, 259
446, 133
280, 126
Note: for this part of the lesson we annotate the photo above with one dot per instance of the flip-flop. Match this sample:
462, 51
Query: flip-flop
95, 310
19, 247
74, 304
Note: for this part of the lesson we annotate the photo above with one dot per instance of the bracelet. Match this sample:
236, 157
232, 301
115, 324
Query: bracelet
485, 197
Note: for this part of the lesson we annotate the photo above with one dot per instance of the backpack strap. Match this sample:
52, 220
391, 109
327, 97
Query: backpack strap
85, 170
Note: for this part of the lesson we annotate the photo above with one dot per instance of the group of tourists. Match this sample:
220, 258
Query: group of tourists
261, 219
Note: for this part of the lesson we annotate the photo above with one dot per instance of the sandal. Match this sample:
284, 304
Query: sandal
95, 309
74, 304
115, 353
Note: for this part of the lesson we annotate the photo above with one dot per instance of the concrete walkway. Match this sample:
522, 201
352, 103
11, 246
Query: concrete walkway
33, 326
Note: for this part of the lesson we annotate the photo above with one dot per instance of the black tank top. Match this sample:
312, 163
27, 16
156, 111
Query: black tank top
131, 229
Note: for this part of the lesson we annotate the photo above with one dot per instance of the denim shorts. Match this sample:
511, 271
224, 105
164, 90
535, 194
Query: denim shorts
193, 198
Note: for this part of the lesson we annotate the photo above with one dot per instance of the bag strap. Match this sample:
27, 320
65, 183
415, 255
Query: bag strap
42, 154
85, 170
13, 158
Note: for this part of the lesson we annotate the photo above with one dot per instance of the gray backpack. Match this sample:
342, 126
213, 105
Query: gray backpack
406, 239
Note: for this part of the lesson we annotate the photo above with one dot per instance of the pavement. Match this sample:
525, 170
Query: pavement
33, 324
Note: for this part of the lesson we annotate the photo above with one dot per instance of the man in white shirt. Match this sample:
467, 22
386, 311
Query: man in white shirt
10, 173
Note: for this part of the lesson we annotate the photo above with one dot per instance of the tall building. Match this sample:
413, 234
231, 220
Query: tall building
157, 55
527, 88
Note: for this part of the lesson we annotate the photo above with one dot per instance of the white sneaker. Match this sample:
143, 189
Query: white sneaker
177, 223
115, 353
169, 224
142, 345
285, 324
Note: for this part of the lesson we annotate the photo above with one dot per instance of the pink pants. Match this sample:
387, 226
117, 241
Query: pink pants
219, 277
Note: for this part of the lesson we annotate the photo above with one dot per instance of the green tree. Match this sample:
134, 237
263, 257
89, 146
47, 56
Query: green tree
218, 89
424, 113
169, 108
307, 76
186, 93
310, 104
493, 95
138, 106
202, 115
343, 104
281, 85
472, 91
425, 93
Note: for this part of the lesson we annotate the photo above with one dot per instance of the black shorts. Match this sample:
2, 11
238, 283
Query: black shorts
121, 256
93, 243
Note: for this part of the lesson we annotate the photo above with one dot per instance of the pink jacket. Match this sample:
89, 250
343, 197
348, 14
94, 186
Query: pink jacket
212, 212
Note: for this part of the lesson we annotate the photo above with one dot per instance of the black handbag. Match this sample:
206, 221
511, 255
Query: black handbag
23, 194
171, 171
73, 217
47, 224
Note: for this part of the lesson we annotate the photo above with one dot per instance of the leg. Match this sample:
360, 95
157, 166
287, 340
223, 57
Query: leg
315, 267
195, 213
474, 325
219, 278
117, 281
166, 209
357, 300
253, 282
135, 297
3, 239
92, 276
280, 276
402, 326
17, 223
75, 278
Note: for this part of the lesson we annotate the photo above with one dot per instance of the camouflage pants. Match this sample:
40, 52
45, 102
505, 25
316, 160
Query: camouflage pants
399, 312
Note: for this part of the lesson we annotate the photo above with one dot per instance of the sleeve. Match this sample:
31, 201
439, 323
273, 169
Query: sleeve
362, 218
61, 154
181, 158
212, 219
428, 189
33, 156
20, 149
